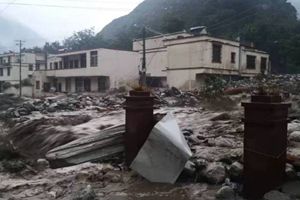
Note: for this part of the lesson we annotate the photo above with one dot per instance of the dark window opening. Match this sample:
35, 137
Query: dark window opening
37, 85
1, 72
51, 66
263, 65
37, 67
60, 65
233, 56
216, 51
76, 63
8, 71
251, 62
30, 67
55, 65
94, 58
83, 60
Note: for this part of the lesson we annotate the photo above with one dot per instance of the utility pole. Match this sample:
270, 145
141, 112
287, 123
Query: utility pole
20, 43
143, 71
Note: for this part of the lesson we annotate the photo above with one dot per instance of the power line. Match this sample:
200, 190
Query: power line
62, 6
7, 6
240, 19
233, 17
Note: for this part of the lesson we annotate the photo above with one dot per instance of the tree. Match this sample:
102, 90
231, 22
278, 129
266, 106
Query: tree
85, 39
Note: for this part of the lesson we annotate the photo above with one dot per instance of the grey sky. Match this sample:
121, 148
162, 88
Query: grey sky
57, 23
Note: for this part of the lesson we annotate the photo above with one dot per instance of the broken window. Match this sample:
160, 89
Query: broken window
263, 65
94, 58
37, 85
216, 53
233, 56
251, 62
8, 71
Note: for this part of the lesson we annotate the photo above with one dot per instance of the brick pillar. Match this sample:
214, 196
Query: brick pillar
265, 144
139, 122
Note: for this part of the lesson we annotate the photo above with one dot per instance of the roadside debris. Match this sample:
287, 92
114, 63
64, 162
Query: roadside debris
106, 144
164, 154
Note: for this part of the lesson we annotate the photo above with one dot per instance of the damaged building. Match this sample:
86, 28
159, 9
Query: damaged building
96, 70
184, 60
10, 70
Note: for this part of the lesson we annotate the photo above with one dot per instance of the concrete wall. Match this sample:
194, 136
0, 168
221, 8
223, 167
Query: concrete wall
191, 56
120, 66
27, 91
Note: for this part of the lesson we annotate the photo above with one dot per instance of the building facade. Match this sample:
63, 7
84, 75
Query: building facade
10, 67
186, 60
96, 70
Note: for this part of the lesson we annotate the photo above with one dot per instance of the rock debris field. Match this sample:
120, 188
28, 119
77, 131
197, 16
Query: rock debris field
212, 127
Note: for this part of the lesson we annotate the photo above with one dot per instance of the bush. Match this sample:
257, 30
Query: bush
6, 85
214, 86
26, 82
13, 166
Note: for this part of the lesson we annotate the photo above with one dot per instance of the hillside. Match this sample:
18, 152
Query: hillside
270, 24
11, 30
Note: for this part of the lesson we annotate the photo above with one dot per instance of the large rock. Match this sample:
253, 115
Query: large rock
295, 136
290, 172
276, 195
226, 193
215, 173
221, 117
236, 170
292, 188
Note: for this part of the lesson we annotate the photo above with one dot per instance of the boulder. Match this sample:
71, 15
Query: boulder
226, 193
292, 188
290, 172
215, 173
276, 195
236, 170
221, 117
295, 136
85, 194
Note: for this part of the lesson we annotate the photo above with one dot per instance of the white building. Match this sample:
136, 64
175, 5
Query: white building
185, 60
10, 67
94, 70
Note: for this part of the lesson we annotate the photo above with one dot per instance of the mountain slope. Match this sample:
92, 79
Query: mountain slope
11, 30
267, 23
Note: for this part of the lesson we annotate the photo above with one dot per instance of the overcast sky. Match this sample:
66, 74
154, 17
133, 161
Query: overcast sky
58, 19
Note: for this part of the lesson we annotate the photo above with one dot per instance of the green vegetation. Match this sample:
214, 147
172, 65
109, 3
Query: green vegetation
271, 24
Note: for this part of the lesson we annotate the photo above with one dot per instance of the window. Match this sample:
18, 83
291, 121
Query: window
251, 62
1, 60
37, 85
60, 65
216, 53
56, 65
76, 63
30, 68
233, 56
263, 65
51, 66
71, 64
1, 71
94, 58
83, 60
8, 71
37, 67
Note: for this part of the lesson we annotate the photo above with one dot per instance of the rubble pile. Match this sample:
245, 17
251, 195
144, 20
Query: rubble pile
174, 97
64, 103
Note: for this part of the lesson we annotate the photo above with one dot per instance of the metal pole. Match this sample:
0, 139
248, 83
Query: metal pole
143, 74
20, 67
